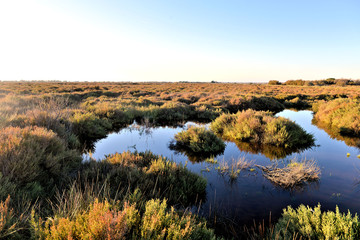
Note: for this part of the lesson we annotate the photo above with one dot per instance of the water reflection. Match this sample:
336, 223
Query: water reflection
269, 151
193, 156
338, 134
251, 196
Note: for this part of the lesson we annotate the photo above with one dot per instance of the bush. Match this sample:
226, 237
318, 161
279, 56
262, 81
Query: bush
34, 155
101, 221
262, 128
106, 221
198, 140
274, 82
89, 127
311, 223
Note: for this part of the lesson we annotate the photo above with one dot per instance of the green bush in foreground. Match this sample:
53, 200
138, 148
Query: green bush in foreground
262, 128
198, 140
311, 223
105, 221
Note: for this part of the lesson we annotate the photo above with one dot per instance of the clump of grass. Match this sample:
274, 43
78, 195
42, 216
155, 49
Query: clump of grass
234, 168
261, 128
198, 141
294, 174
9, 223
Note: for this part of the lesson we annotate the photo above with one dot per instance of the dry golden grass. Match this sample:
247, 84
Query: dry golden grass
294, 174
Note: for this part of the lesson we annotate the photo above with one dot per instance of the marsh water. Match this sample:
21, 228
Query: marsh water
251, 196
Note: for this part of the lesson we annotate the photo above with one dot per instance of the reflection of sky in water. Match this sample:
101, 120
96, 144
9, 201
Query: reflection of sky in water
251, 196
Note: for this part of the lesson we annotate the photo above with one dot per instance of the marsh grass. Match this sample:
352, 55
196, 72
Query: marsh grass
234, 168
294, 174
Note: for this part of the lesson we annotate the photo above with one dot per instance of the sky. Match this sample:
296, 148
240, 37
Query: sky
179, 40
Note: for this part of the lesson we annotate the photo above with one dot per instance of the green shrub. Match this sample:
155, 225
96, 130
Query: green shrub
198, 140
88, 127
311, 223
262, 128
160, 223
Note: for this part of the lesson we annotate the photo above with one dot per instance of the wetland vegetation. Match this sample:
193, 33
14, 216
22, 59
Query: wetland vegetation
49, 191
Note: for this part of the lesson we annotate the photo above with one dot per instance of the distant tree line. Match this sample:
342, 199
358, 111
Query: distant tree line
323, 82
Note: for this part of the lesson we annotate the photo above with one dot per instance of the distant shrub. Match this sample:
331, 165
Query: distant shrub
199, 140
274, 82
255, 103
340, 114
261, 127
295, 82
296, 103
311, 223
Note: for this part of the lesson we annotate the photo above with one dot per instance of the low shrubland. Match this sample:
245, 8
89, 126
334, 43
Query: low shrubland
198, 141
45, 126
261, 128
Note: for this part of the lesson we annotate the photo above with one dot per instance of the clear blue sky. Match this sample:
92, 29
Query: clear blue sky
179, 40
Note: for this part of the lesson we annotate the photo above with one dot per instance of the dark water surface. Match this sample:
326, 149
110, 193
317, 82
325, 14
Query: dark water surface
251, 196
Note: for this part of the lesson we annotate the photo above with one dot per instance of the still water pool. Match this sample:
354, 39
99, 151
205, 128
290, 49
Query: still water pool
251, 196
